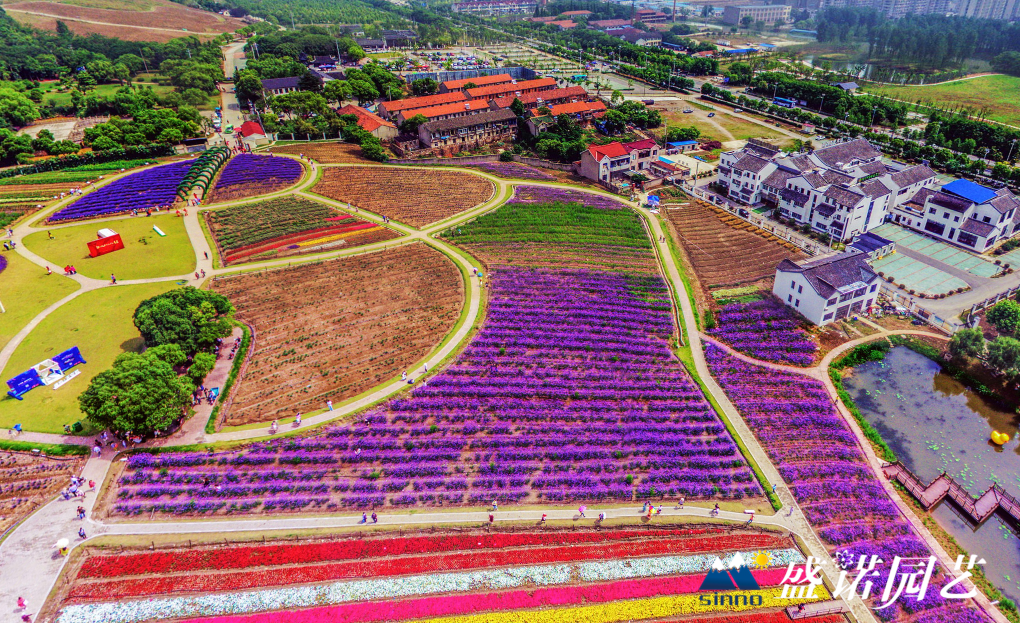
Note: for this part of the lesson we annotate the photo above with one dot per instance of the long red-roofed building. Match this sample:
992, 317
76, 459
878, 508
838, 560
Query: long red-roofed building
478, 81
512, 88
389, 109
540, 98
445, 111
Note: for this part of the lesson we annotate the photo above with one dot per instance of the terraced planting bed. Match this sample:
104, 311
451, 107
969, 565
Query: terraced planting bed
413, 196
765, 329
331, 330
513, 171
543, 226
725, 250
285, 227
607, 575
28, 481
250, 175
324, 153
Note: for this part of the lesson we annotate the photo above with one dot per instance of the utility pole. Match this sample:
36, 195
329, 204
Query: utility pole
674, 11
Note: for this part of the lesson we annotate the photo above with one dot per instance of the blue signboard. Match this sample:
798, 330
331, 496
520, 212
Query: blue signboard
22, 383
69, 359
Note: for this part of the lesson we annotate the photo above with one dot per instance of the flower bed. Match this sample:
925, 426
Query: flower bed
384, 567
286, 226
240, 557
514, 170
548, 194
249, 175
398, 578
493, 602
144, 190
3, 263
765, 330
568, 393
820, 458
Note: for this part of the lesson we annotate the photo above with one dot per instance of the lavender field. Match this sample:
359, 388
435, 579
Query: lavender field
568, 393
765, 330
819, 458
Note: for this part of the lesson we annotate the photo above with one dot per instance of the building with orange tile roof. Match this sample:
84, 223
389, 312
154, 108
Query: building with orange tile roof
370, 122
444, 111
512, 88
478, 81
388, 109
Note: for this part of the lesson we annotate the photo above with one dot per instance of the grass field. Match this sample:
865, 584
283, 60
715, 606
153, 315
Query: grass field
721, 127
994, 97
156, 257
58, 98
97, 322
35, 292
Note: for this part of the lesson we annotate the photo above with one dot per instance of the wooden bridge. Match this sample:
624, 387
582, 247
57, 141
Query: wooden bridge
977, 509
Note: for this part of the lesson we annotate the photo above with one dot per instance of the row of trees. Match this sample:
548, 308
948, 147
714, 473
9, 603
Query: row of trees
149, 391
1001, 354
932, 40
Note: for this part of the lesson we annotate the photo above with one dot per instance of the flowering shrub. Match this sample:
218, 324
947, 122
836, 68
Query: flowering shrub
514, 170
569, 392
765, 330
150, 188
3, 263
819, 456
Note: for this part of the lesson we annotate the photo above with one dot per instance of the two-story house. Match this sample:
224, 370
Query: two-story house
964, 213
827, 288
610, 162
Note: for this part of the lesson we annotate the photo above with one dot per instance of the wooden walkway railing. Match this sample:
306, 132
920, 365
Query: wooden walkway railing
977, 509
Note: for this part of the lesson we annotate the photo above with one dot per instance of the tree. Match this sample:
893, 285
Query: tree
616, 98
683, 134
337, 91
615, 121
188, 317
967, 343
411, 125
364, 90
518, 108
424, 86
1004, 354
310, 82
201, 365
248, 87
746, 21
139, 394
1005, 316
470, 85
372, 149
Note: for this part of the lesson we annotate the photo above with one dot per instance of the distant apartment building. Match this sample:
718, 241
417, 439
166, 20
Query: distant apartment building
896, 8
768, 13
496, 7
650, 16
990, 9
842, 190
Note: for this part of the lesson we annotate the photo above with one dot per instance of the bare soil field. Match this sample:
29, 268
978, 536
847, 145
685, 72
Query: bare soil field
416, 197
591, 257
723, 249
27, 481
331, 330
161, 21
324, 153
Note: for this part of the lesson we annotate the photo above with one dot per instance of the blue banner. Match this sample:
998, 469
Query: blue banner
22, 383
69, 359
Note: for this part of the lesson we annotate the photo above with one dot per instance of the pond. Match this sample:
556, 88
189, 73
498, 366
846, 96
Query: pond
934, 423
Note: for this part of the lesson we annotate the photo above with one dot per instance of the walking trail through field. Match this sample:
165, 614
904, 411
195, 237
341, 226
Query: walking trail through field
29, 566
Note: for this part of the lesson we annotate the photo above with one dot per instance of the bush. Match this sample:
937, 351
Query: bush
506, 156
201, 366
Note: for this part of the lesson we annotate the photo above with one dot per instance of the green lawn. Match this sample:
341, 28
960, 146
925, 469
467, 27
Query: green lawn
157, 257
35, 292
63, 98
99, 323
994, 97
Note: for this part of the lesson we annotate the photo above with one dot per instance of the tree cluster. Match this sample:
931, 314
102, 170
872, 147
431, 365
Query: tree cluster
162, 125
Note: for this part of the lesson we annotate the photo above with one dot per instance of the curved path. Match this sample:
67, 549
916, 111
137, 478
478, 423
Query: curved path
28, 567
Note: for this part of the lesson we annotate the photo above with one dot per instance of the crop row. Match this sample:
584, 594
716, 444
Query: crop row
766, 330
144, 190
246, 224
248, 175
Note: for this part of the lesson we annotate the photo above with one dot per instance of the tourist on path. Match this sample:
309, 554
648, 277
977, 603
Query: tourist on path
81, 533
22, 604
495, 507
113, 279
680, 502
364, 517
543, 517
297, 420
581, 510
375, 518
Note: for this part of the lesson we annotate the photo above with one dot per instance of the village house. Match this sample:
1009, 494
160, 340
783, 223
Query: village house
615, 162
372, 123
466, 132
962, 212
279, 86
387, 110
827, 288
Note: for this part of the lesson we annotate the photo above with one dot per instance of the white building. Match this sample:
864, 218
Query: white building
827, 288
842, 190
962, 212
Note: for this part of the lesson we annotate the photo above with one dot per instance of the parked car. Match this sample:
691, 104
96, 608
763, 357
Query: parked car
711, 114
738, 110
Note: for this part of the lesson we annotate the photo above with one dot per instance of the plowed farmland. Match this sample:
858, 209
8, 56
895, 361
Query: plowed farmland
153, 20
724, 249
413, 196
325, 153
28, 481
331, 330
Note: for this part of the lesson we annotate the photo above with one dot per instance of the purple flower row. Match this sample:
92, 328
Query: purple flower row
514, 170
268, 173
545, 194
765, 330
819, 457
575, 395
144, 190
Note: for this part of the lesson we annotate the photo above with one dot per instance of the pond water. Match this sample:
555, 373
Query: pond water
934, 423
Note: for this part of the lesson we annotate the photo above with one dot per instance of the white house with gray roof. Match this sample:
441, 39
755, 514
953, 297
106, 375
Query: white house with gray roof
962, 212
827, 288
842, 190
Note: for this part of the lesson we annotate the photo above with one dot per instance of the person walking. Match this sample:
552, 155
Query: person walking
495, 506
274, 427
680, 502
543, 518
297, 420
22, 604
81, 533
492, 518
364, 517
113, 279
81, 512
206, 255
375, 518
602, 517
581, 510
749, 520
329, 405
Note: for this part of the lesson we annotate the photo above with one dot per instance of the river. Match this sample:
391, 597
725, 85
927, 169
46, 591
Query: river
934, 423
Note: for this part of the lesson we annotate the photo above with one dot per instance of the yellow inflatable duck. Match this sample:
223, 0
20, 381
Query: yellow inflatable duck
999, 438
